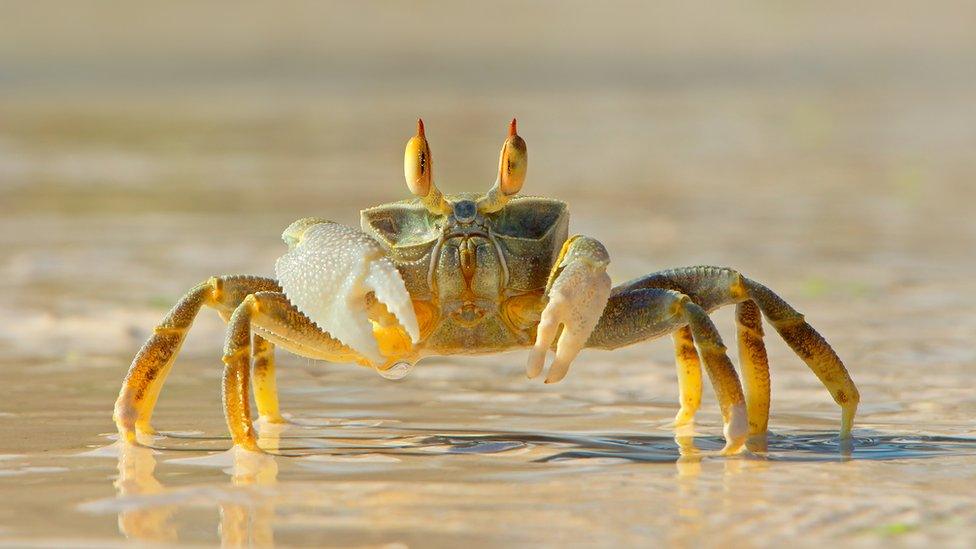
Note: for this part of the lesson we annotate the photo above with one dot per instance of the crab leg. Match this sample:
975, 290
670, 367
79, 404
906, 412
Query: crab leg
644, 313
265, 385
754, 364
689, 375
151, 365
270, 316
725, 382
812, 348
237, 353
713, 287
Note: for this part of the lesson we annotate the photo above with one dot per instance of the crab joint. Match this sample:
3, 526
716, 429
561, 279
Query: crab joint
512, 166
418, 171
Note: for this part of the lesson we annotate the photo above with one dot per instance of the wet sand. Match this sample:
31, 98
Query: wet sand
827, 154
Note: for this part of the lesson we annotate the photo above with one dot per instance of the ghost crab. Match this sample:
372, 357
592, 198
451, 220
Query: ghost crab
467, 274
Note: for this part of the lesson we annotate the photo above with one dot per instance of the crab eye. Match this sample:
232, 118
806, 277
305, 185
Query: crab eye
465, 211
513, 162
417, 167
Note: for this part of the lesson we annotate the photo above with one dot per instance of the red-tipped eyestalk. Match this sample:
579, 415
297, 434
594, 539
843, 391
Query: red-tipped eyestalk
418, 171
512, 166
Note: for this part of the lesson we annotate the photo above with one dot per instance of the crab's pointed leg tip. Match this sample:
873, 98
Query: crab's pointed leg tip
736, 430
513, 128
420, 127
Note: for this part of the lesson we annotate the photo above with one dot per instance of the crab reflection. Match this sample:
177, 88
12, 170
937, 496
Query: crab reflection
246, 524
248, 519
137, 465
247, 507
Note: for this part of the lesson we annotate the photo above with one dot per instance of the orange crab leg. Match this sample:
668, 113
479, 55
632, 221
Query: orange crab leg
148, 371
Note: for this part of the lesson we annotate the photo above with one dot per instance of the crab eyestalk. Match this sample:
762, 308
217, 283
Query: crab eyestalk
512, 165
418, 171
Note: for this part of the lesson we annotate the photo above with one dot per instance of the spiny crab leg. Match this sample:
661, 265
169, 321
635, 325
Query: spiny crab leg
327, 273
152, 364
643, 309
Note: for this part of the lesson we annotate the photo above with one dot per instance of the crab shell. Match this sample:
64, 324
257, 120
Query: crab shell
476, 285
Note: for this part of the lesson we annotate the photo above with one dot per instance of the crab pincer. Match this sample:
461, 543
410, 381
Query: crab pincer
329, 272
578, 291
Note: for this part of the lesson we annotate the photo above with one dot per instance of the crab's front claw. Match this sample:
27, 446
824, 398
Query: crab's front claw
331, 273
578, 293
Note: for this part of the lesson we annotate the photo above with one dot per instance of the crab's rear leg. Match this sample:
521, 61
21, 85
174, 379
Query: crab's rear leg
153, 362
237, 355
268, 315
812, 348
754, 364
688, 365
644, 313
264, 382
752, 360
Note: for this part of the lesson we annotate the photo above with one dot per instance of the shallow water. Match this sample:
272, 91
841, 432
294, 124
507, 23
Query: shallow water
827, 154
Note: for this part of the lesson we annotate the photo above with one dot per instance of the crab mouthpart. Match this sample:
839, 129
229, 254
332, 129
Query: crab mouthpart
468, 315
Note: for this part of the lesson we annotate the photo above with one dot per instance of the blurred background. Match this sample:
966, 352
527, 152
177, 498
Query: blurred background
824, 148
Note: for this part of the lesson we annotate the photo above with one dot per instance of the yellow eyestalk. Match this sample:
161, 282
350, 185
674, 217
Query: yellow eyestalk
512, 166
513, 162
418, 171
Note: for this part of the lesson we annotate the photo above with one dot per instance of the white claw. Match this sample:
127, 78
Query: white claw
385, 282
327, 275
576, 301
544, 335
537, 361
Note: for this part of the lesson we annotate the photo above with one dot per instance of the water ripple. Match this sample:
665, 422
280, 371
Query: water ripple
802, 447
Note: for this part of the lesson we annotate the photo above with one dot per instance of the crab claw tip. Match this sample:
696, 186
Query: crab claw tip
327, 276
388, 286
